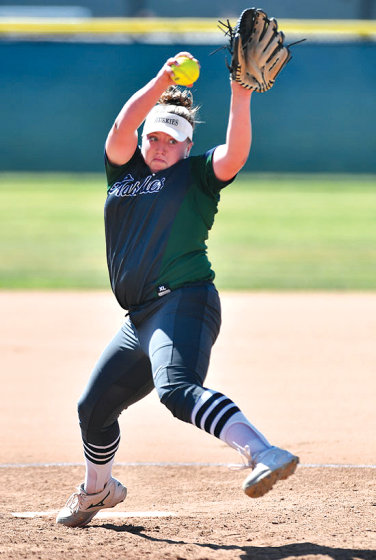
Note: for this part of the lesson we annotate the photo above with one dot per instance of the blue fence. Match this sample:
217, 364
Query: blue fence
58, 101
335, 9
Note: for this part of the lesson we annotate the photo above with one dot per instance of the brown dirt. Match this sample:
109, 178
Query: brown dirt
302, 368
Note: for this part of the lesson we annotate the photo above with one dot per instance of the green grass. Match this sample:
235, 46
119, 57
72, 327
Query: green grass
297, 232
304, 232
51, 231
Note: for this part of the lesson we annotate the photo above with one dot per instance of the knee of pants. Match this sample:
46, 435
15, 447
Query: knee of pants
84, 410
96, 428
91, 418
180, 399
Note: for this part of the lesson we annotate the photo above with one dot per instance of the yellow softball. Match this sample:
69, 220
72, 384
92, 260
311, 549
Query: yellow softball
187, 72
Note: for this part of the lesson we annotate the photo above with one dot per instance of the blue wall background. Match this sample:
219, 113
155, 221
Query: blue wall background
335, 9
58, 101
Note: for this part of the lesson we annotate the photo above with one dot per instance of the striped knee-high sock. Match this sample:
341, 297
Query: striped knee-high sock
99, 460
101, 454
218, 415
212, 411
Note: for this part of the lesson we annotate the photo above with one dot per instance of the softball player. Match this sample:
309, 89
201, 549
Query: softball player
160, 205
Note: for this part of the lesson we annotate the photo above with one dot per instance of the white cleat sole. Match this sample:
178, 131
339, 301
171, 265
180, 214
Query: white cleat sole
257, 487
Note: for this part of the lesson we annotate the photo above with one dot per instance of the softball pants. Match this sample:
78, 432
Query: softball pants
165, 344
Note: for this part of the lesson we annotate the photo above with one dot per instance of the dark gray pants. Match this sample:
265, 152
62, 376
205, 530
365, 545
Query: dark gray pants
166, 344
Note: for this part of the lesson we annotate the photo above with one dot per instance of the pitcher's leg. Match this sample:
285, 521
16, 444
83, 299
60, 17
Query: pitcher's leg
179, 338
121, 377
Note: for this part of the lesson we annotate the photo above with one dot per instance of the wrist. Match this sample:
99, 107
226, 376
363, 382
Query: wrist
163, 79
240, 91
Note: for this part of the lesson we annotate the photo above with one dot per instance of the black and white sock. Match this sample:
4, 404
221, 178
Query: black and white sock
218, 415
212, 411
99, 461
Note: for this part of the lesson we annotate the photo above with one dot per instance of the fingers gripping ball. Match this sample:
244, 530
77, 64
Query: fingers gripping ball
187, 72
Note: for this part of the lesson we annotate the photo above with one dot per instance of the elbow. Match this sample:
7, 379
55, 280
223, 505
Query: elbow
243, 161
240, 159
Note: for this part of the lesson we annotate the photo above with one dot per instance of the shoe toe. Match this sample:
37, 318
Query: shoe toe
266, 474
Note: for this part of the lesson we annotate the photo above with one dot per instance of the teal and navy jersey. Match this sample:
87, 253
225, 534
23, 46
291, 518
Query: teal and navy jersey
157, 225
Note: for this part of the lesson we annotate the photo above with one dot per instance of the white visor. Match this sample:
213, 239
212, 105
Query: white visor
176, 126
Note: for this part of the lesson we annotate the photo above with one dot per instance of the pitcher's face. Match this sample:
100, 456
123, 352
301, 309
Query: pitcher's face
160, 150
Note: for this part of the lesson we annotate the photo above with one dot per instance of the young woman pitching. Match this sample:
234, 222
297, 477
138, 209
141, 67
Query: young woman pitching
160, 205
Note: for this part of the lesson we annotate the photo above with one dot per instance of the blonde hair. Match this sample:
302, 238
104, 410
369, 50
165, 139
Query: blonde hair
179, 102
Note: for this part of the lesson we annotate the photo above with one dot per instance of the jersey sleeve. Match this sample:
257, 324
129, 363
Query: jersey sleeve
113, 172
203, 168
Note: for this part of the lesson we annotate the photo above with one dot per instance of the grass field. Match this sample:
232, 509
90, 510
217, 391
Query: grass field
296, 232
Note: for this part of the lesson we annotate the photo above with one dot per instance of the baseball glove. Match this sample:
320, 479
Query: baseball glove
257, 50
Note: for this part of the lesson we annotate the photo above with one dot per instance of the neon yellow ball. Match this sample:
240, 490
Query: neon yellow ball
187, 72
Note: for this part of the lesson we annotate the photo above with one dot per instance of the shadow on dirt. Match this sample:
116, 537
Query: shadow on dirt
295, 550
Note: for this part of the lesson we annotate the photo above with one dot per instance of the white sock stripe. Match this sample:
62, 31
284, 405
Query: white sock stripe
210, 409
100, 456
204, 397
219, 416
91, 445
109, 451
96, 460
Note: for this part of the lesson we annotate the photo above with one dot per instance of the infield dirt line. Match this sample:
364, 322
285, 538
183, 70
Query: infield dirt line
100, 515
172, 464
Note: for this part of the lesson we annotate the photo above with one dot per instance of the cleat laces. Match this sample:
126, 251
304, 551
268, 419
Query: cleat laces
247, 461
74, 502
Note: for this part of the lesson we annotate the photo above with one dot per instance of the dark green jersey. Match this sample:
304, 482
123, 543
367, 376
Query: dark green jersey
157, 226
